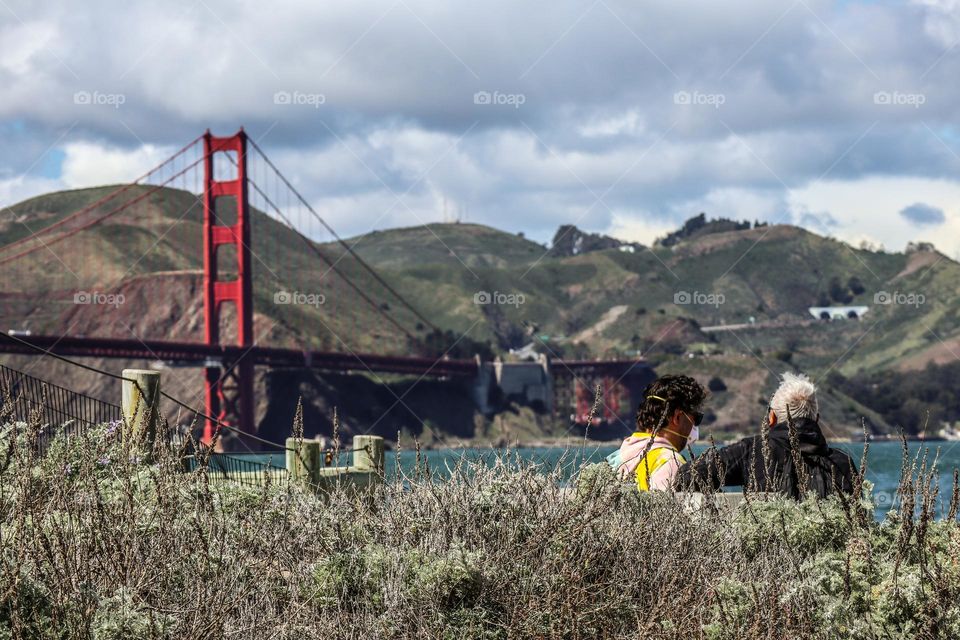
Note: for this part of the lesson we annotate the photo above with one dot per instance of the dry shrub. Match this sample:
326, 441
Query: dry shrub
96, 544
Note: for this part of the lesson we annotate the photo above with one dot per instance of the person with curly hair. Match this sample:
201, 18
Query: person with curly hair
668, 421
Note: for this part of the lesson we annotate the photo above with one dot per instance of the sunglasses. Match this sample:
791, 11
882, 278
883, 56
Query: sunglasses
696, 415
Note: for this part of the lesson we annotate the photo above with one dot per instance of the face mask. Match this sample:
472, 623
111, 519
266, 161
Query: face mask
691, 438
695, 430
694, 435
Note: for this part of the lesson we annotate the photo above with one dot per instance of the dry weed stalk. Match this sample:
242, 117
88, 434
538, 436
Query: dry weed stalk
96, 544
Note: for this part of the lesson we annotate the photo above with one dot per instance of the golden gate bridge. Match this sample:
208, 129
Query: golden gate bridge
221, 205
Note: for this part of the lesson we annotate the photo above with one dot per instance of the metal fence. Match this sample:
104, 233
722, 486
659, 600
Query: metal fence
62, 410
59, 409
246, 472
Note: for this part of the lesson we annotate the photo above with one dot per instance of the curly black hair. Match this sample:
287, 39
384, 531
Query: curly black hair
680, 392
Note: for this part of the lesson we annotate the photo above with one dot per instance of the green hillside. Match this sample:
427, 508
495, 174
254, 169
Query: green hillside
614, 302
163, 233
472, 245
608, 303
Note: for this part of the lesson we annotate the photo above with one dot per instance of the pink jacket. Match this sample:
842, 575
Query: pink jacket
631, 453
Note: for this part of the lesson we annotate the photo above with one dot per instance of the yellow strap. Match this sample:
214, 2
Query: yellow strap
655, 459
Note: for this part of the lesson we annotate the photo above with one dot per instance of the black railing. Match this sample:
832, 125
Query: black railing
59, 409
247, 472
62, 411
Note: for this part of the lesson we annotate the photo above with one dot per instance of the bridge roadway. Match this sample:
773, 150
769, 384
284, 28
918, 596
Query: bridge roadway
197, 354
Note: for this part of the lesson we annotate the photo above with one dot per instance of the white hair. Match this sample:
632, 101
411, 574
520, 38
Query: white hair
798, 395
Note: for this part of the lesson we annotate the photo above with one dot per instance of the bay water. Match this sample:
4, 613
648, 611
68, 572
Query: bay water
884, 462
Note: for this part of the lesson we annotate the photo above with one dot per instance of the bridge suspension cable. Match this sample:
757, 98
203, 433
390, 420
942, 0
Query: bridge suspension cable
100, 201
332, 265
86, 225
74, 223
339, 240
162, 224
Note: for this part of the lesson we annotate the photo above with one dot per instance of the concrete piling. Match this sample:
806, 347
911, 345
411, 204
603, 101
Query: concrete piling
303, 460
368, 453
305, 464
139, 404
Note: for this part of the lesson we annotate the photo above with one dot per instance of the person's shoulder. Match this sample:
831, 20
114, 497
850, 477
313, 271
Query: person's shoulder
839, 455
840, 452
738, 447
747, 441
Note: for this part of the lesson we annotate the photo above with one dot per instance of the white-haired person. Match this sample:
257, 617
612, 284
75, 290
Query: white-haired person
793, 407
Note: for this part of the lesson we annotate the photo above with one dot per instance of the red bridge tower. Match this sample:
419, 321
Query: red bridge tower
229, 386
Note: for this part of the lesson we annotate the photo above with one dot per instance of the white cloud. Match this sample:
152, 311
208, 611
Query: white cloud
599, 140
638, 228
87, 164
869, 209
23, 46
942, 20
13, 190
629, 123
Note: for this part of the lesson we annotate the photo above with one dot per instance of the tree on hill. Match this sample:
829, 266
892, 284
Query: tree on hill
839, 292
699, 225
716, 385
856, 287
571, 241
437, 344
915, 400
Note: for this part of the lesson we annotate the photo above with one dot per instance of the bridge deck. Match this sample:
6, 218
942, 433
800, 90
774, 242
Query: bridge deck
214, 355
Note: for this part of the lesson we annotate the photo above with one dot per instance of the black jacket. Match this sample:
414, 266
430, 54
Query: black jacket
742, 464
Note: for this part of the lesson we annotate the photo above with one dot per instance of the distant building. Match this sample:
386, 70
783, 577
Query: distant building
529, 383
838, 313
526, 352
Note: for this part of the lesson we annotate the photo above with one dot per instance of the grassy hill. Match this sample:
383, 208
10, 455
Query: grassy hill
619, 302
163, 234
601, 303
475, 245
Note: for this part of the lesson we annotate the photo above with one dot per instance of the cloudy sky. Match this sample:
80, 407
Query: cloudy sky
619, 116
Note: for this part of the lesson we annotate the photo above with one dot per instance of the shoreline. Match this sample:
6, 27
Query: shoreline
580, 443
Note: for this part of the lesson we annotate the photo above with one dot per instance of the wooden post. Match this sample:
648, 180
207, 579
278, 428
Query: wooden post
140, 405
368, 453
303, 460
